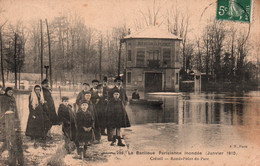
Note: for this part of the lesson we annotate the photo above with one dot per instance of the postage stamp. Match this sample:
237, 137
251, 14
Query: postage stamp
234, 10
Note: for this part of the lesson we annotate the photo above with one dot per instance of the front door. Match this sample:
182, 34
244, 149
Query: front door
153, 82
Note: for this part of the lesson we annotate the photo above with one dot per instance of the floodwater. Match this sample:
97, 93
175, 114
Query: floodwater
202, 122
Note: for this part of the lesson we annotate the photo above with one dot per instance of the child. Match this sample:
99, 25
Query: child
85, 125
116, 117
67, 116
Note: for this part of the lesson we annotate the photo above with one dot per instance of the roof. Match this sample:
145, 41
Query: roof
152, 32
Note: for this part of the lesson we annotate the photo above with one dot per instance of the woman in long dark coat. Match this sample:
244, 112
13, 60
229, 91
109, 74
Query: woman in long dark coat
51, 110
117, 117
38, 121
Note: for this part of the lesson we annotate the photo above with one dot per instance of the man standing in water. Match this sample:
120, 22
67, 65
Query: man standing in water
51, 111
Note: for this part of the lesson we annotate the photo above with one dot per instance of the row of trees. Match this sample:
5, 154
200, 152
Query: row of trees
78, 50
222, 53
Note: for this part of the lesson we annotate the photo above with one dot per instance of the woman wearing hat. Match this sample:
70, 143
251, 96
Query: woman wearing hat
38, 121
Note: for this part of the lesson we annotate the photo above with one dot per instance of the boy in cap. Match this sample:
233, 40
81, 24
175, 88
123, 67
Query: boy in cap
67, 116
117, 117
119, 87
85, 125
81, 95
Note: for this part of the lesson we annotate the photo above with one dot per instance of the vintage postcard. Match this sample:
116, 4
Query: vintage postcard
130, 82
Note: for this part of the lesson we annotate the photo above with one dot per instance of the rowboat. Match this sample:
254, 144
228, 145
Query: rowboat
154, 103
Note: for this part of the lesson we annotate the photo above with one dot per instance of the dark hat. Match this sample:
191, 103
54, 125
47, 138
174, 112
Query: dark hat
84, 101
7, 89
85, 83
115, 91
99, 86
118, 79
45, 81
64, 98
87, 92
105, 79
95, 81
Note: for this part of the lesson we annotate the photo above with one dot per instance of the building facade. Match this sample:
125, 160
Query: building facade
152, 61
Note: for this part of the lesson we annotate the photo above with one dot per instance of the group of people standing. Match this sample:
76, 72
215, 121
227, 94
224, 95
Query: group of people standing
97, 111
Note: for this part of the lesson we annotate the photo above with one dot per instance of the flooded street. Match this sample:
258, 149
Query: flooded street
187, 126
227, 123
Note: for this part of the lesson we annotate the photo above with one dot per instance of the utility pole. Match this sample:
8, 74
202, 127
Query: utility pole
41, 51
119, 58
100, 58
49, 44
2, 64
15, 65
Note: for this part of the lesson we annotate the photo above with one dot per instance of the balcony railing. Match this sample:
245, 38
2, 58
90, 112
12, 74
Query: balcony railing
153, 63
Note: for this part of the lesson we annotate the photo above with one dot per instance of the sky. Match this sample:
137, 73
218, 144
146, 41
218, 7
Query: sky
105, 14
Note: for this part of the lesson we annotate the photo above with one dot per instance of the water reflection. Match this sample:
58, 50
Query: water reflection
205, 108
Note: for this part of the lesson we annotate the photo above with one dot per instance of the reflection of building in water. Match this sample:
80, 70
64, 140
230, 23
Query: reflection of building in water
153, 60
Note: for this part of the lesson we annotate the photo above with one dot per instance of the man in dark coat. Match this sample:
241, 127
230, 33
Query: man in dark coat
81, 95
94, 91
101, 108
135, 95
51, 111
85, 125
105, 88
123, 97
119, 87
67, 116
92, 108
117, 117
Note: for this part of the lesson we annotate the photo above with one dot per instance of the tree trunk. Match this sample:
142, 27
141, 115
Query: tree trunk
41, 52
49, 45
2, 63
15, 59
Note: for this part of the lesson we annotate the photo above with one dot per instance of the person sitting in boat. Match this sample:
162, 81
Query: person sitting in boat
135, 95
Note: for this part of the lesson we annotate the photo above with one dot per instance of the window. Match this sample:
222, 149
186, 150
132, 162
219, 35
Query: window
140, 57
167, 57
154, 58
129, 55
177, 79
154, 55
129, 77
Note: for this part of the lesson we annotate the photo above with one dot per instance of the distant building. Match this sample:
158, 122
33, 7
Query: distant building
153, 60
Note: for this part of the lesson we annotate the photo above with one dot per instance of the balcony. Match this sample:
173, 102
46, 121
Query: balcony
153, 63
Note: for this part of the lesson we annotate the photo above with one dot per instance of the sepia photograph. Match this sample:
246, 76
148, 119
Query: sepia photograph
129, 82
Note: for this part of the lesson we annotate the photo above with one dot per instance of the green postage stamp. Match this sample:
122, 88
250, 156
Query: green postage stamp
234, 10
